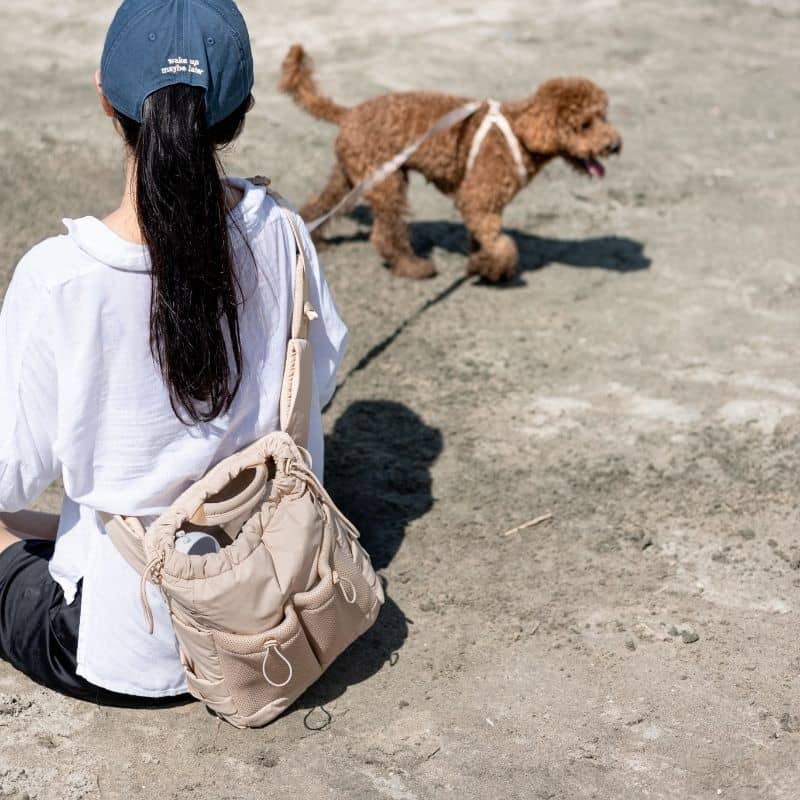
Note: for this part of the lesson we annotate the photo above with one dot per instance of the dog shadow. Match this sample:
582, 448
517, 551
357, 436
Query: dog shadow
377, 469
616, 253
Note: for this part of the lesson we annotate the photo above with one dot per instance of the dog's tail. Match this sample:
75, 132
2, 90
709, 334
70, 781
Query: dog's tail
297, 79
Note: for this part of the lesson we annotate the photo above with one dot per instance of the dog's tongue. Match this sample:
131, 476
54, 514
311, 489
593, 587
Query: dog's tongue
595, 168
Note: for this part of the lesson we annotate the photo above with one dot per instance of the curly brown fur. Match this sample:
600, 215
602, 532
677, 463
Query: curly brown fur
564, 117
297, 79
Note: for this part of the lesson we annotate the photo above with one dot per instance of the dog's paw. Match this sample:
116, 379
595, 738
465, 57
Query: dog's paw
413, 267
490, 270
496, 264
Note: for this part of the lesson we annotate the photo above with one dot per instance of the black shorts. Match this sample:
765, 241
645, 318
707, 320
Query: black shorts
39, 631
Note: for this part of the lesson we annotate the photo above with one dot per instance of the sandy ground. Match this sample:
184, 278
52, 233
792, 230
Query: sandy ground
639, 383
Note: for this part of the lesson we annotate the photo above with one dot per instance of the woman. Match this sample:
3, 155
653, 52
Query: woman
140, 350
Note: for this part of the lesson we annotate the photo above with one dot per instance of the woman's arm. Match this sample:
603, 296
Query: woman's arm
28, 397
29, 524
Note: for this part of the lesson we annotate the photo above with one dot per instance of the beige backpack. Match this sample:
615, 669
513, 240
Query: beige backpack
258, 622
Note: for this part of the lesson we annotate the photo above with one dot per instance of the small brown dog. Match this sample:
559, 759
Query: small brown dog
565, 117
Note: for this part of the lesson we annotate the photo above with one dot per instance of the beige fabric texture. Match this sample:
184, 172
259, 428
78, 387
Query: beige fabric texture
258, 622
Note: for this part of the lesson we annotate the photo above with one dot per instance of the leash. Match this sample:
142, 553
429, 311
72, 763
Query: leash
493, 117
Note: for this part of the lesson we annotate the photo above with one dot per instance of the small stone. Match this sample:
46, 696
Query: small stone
12, 706
790, 722
47, 740
689, 636
647, 634
428, 605
630, 644
644, 632
402, 704
267, 760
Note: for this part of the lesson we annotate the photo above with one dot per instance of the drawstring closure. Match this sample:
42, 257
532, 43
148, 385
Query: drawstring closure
273, 645
153, 571
293, 467
342, 582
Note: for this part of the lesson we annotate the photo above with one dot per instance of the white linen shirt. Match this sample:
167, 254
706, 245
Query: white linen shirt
82, 397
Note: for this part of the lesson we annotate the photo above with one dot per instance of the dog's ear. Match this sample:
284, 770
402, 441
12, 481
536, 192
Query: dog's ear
536, 125
547, 120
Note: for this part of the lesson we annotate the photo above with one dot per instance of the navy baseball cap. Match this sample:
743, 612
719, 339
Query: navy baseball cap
156, 43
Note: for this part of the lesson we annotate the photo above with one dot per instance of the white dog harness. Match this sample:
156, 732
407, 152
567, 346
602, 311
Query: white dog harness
493, 117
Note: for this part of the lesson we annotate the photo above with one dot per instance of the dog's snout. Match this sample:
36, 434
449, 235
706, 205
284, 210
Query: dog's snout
615, 147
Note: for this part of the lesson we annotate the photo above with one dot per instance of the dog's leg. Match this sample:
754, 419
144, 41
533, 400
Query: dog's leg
493, 254
390, 231
337, 187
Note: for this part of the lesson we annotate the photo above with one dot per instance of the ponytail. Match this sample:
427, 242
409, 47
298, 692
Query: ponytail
183, 218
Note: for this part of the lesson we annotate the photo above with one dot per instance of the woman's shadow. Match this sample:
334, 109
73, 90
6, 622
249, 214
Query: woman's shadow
377, 469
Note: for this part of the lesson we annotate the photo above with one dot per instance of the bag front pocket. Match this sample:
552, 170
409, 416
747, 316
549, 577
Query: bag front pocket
338, 610
201, 665
266, 672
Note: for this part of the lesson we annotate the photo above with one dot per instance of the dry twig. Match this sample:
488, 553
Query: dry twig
530, 524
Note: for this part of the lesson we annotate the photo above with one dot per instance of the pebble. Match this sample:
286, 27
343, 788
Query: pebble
12, 706
647, 634
687, 633
790, 723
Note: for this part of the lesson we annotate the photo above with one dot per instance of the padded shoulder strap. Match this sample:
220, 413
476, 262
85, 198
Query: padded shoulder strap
295, 407
300, 316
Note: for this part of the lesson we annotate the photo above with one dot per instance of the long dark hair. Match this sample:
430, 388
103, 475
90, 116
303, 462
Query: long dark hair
182, 214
